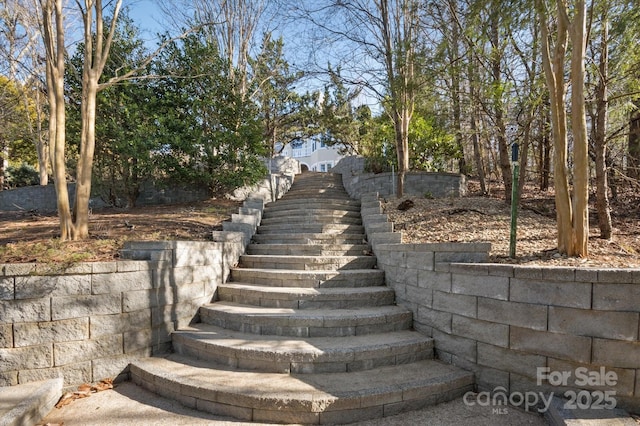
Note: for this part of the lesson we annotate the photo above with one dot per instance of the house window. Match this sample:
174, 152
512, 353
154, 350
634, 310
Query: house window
323, 167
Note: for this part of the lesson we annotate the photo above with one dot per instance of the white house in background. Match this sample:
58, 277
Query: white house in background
313, 154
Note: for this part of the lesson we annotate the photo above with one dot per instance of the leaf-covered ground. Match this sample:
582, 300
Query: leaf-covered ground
477, 218
32, 237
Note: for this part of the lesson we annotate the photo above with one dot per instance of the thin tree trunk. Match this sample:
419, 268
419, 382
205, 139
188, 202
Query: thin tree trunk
500, 126
473, 123
554, 74
600, 135
580, 139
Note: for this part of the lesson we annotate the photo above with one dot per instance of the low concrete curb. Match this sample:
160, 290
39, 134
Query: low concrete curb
559, 415
26, 404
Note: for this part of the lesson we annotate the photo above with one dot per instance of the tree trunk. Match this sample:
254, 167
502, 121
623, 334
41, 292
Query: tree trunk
554, 74
500, 126
545, 151
473, 123
580, 139
85, 161
600, 135
633, 168
53, 35
402, 144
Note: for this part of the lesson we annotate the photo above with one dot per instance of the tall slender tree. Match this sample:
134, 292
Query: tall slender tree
572, 213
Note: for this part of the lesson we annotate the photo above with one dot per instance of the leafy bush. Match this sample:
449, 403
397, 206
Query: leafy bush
24, 175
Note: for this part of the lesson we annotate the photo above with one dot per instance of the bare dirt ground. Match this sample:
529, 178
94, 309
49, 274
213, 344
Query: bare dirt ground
32, 237
476, 218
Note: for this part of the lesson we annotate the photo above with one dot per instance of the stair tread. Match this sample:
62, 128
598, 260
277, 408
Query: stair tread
307, 291
300, 392
302, 348
293, 315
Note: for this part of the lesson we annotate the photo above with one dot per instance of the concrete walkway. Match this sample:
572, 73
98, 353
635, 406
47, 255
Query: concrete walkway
129, 404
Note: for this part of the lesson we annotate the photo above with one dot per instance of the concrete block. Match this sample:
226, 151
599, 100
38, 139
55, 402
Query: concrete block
408, 276
422, 261
587, 322
83, 306
561, 293
14, 269
558, 273
62, 269
483, 331
116, 365
7, 289
461, 256
137, 340
139, 300
435, 280
435, 319
6, 336
102, 325
419, 296
122, 281
575, 372
474, 269
461, 304
513, 313
616, 353
613, 275
587, 275
616, 297
33, 287
73, 374
513, 361
527, 272
104, 267
455, 345
28, 310
26, 358
74, 352
27, 403
557, 345
480, 285
40, 333
371, 209
8, 378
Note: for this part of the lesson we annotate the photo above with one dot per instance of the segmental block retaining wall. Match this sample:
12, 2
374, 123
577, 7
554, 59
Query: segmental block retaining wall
88, 321
436, 185
512, 325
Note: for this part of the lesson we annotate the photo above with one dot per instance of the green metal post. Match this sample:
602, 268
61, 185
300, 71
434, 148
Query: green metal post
514, 200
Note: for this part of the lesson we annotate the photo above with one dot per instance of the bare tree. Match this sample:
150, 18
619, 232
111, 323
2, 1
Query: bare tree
234, 26
380, 40
22, 52
572, 214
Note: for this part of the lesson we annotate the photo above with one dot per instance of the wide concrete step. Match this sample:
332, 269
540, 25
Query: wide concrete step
296, 220
278, 354
309, 228
311, 202
309, 279
305, 322
309, 238
306, 195
307, 263
325, 398
311, 249
312, 212
305, 298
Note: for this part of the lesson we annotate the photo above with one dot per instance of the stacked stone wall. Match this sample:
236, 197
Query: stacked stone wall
513, 324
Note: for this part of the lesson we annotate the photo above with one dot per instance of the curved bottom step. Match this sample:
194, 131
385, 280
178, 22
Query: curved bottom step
302, 398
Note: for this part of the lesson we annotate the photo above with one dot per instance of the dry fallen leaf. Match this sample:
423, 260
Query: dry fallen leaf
84, 390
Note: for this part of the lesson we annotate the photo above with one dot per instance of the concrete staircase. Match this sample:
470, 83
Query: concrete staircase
305, 331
